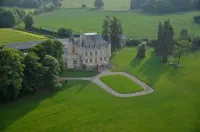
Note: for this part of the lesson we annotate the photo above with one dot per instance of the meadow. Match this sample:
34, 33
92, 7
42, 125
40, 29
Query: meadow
136, 24
9, 36
82, 106
121, 84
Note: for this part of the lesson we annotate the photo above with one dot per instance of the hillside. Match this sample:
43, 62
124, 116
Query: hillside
9, 36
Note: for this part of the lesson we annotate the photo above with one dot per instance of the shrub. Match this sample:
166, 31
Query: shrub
83, 5
141, 50
151, 42
64, 33
196, 19
133, 42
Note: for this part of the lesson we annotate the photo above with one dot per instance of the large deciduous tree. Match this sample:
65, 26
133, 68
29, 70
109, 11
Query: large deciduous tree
33, 72
179, 49
8, 18
164, 40
98, 3
49, 47
28, 21
51, 70
11, 73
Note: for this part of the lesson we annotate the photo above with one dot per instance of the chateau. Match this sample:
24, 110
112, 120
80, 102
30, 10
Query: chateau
90, 50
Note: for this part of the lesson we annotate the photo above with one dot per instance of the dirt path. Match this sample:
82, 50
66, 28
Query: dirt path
96, 80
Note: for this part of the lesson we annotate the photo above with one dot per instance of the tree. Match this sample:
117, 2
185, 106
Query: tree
115, 33
48, 47
163, 6
165, 40
106, 28
64, 33
179, 49
57, 3
98, 3
29, 21
141, 50
134, 4
8, 18
33, 72
184, 34
83, 6
52, 69
11, 73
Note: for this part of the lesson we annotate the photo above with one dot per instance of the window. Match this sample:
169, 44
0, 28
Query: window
100, 52
86, 61
74, 62
95, 60
104, 58
95, 52
90, 53
100, 58
85, 53
90, 60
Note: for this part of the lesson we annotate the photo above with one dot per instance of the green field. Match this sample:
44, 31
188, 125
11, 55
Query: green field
115, 5
136, 24
82, 106
9, 36
78, 73
121, 84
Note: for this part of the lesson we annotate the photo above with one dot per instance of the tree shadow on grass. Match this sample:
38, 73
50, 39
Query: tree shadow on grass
136, 61
153, 68
84, 84
12, 111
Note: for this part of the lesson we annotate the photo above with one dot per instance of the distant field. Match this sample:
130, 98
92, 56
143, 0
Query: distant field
108, 4
121, 84
9, 36
136, 24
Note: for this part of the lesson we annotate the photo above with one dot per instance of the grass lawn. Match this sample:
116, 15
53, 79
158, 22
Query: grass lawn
136, 24
121, 84
82, 106
78, 73
9, 36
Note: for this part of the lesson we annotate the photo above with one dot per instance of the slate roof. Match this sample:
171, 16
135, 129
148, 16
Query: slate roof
28, 45
93, 39
24, 45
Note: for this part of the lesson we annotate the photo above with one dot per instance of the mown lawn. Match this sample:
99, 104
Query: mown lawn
78, 73
82, 106
136, 24
9, 36
121, 84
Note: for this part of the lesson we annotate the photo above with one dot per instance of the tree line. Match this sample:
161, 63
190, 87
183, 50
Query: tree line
165, 6
23, 74
29, 3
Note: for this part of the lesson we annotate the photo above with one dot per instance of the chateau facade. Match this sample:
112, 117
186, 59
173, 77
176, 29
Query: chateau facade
89, 50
